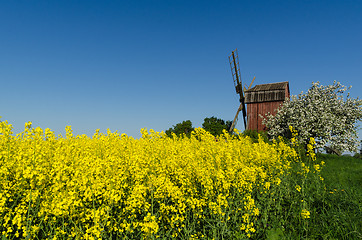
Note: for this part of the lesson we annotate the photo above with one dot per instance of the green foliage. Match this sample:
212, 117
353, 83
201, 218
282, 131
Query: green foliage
181, 128
215, 126
254, 135
334, 204
274, 234
339, 212
344, 172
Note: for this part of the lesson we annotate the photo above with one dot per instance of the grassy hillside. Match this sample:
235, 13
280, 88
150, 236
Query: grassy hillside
340, 209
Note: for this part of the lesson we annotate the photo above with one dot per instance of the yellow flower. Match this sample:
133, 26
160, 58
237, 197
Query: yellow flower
317, 167
305, 214
134, 186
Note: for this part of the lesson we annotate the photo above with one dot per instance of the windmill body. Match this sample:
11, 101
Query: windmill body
260, 100
263, 99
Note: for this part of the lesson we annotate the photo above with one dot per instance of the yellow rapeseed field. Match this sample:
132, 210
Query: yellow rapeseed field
112, 185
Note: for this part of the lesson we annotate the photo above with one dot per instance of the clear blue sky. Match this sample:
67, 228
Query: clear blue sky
126, 65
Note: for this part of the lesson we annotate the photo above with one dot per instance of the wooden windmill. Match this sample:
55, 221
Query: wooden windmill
235, 71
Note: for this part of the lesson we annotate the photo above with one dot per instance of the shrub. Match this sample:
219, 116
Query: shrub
323, 114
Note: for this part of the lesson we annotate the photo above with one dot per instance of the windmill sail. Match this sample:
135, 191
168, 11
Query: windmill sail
235, 71
236, 118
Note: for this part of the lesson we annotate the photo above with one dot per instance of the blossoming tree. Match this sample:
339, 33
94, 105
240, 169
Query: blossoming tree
322, 113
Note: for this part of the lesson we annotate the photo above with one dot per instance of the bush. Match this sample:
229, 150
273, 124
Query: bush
216, 126
323, 114
180, 129
256, 135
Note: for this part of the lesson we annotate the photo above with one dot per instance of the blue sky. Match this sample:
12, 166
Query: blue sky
127, 65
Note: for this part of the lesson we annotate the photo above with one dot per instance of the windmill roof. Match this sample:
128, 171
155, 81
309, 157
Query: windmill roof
269, 87
267, 92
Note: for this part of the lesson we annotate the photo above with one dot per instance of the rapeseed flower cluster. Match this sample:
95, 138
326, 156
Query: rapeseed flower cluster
305, 213
112, 185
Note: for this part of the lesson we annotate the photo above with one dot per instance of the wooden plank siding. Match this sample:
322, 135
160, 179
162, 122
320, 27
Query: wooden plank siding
263, 99
253, 111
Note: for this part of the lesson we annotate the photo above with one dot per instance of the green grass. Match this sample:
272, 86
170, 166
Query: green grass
341, 208
338, 211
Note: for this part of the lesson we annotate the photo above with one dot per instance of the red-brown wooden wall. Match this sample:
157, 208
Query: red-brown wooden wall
254, 109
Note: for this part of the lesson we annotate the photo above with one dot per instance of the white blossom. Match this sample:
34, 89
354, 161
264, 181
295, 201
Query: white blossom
321, 113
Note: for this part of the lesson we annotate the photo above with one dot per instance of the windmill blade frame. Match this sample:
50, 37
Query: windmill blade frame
235, 118
252, 81
235, 71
